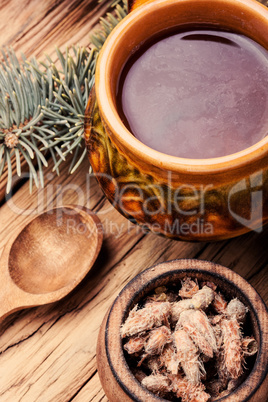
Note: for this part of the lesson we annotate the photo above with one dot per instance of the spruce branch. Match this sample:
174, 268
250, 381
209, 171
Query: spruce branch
42, 106
65, 111
21, 118
109, 22
74, 83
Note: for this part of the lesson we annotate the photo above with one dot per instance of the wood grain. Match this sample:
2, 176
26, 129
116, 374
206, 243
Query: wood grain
48, 353
59, 340
35, 27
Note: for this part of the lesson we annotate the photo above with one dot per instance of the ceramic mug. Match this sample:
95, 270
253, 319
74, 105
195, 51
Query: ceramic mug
189, 199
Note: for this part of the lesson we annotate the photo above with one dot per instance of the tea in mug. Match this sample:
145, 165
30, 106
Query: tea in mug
196, 93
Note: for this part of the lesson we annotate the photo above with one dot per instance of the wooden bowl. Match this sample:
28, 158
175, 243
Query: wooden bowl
118, 381
190, 199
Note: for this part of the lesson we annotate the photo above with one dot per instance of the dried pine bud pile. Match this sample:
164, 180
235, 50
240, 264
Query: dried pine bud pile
188, 344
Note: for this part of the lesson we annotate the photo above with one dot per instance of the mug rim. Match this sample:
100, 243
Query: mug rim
115, 125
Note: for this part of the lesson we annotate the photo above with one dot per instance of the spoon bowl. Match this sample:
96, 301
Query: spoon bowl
46, 258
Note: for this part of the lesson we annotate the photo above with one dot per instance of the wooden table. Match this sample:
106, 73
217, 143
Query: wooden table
48, 353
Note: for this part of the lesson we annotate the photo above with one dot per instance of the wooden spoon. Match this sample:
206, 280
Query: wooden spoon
46, 258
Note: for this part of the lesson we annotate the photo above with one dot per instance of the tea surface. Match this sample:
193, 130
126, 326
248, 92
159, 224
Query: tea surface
197, 94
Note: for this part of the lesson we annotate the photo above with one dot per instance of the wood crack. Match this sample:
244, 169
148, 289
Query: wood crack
263, 267
95, 207
199, 252
35, 332
126, 253
80, 307
24, 339
100, 204
82, 386
217, 251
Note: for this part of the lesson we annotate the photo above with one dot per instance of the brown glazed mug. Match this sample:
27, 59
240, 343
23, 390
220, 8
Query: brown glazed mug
189, 199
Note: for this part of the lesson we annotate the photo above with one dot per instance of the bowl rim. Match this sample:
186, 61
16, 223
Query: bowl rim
121, 305
109, 113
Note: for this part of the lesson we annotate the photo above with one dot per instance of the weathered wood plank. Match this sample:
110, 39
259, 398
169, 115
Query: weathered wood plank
48, 353
62, 343
126, 252
92, 392
35, 27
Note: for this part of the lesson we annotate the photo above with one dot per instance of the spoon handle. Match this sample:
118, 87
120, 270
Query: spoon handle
12, 299
10, 295
8, 305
